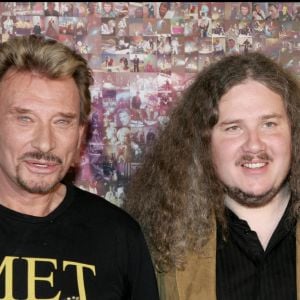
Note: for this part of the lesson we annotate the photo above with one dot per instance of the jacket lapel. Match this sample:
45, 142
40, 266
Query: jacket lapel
198, 281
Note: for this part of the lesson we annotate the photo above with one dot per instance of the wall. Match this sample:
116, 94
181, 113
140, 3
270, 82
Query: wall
143, 55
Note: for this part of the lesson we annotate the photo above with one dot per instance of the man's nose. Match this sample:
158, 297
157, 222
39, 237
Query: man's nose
253, 142
43, 139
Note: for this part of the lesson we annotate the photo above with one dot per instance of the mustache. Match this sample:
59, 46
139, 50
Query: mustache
247, 158
42, 156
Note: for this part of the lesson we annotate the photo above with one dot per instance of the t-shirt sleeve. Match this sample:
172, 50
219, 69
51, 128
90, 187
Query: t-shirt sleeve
141, 275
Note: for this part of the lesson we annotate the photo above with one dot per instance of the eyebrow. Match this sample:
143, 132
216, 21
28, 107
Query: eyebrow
271, 116
19, 110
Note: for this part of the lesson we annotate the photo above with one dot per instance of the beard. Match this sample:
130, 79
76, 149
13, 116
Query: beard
250, 199
39, 186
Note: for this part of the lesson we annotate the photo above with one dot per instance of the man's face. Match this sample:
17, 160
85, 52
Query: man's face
107, 7
40, 132
251, 143
50, 6
273, 12
163, 8
284, 9
244, 10
92, 7
124, 118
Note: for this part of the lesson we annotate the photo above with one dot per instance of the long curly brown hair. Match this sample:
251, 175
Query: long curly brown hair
176, 192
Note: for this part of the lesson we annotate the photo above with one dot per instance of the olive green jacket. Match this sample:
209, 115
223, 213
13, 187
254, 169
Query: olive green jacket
198, 280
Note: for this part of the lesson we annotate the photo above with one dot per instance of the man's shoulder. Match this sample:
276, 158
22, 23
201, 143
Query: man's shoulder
98, 209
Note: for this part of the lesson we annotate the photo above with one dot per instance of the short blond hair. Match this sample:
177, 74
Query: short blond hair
51, 59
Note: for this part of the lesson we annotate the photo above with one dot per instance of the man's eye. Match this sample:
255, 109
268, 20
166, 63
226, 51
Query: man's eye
232, 128
63, 122
24, 119
270, 124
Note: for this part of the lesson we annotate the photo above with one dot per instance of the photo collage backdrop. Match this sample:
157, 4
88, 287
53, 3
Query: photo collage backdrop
143, 55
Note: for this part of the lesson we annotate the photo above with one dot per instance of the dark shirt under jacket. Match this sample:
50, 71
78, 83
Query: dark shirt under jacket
246, 272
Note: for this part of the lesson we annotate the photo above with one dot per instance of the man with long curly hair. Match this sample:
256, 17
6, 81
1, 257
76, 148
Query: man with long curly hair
218, 194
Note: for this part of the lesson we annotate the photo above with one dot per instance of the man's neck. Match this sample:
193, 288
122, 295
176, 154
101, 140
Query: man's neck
38, 205
263, 220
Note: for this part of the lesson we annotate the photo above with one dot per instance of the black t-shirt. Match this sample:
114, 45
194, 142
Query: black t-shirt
87, 248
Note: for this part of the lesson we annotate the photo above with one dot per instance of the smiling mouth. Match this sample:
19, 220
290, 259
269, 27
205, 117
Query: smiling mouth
42, 164
42, 167
254, 165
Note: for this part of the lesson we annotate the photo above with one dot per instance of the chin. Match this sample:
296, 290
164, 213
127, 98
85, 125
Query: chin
38, 187
251, 199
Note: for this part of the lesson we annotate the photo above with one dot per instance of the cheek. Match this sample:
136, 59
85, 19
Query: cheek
219, 157
73, 145
14, 141
67, 147
283, 151
282, 145
224, 149
224, 156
